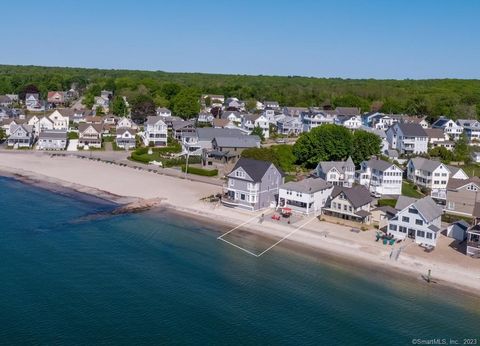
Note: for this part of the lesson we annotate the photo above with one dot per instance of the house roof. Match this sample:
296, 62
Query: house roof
237, 141
152, 120
462, 224
5, 99
425, 206
379, 133
412, 130
379, 165
180, 124
163, 110
391, 153
440, 122
53, 134
309, 185
454, 184
326, 166
83, 126
347, 110
256, 169
425, 164
434, 133
388, 210
122, 130
220, 122
209, 133
357, 195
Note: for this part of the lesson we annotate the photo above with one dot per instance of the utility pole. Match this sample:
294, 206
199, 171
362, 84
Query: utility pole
186, 163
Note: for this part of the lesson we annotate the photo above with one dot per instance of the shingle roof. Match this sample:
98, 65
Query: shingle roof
379, 165
237, 141
347, 110
83, 126
435, 133
412, 130
440, 122
454, 184
425, 164
425, 206
309, 185
53, 134
341, 166
357, 195
209, 133
256, 169
152, 120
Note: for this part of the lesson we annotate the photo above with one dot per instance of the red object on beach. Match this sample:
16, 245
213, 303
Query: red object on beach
275, 217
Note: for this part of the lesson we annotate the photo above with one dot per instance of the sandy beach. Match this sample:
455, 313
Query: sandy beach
127, 185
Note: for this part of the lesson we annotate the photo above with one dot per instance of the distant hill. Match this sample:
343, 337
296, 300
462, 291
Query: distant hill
456, 98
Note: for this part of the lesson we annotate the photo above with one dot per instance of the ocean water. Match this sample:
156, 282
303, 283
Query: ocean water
154, 278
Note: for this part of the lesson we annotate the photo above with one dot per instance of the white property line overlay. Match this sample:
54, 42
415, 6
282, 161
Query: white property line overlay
269, 248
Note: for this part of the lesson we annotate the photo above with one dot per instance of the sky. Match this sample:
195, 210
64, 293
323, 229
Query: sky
389, 39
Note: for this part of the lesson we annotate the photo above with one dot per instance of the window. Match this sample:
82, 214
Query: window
421, 234
429, 235
392, 227
402, 229
419, 222
334, 205
412, 211
242, 196
405, 219
345, 207
231, 182
451, 205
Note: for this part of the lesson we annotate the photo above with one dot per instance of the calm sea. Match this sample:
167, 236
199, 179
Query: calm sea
67, 278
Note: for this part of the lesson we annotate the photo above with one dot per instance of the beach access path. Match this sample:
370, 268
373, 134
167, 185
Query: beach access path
448, 266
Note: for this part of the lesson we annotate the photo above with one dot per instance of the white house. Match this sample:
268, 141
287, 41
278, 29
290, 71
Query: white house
52, 140
312, 120
350, 203
417, 219
125, 123
351, 122
251, 121
21, 136
60, 122
306, 196
125, 138
408, 138
156, 132
450, 127
163, 112
433, 175
337, 172
471, 129
90, 135
380, 177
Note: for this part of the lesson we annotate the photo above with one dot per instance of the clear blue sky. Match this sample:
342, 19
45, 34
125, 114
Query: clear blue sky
341, 38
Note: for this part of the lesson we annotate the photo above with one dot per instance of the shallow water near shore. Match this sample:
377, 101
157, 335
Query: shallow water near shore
156, 278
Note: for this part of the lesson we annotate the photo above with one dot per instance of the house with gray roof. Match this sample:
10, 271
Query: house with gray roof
21, 136
307, 196
5, 101
418, 219
288, 125
340, 173
90, 135
155, 131
433, 175
350, 203
463, 196
408, 138
471, 128
449, 127
52, 140
253, 185
125, 138
228, 149
251, 121
380, 177
203, 137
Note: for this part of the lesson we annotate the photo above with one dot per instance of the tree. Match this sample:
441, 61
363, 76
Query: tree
88, 100
251, 105
3, 135
324, 143
186, 103
99, 111
365, 144
257, 130
462, 151
208, 101
142, 107
28, 89
119, 107
280, 155
170, 90
445, 155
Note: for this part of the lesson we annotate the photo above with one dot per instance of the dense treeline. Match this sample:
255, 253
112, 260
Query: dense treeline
451, 97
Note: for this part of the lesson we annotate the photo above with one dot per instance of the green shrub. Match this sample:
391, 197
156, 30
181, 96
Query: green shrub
387, 202
201, 171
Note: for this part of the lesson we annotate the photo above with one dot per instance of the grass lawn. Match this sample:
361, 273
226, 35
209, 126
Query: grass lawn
472, 169
409, 191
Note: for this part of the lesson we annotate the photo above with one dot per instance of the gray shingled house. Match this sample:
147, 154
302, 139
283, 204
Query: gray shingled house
253, 184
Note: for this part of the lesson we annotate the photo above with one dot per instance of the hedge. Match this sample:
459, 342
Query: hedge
201, 171
387, 202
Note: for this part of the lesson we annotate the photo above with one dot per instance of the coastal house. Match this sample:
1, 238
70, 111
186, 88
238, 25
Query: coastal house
288, 125
5, 101
340, 173
60, 122
462, 196
407, 138
90, 135
473, 236
228, 149
126, 123
33, 102
233, 116
438, 138
350, 203
183, 130
380, 177
234, 104
350, 122
21, 136
214, 100
294, 111
251, 121
205, 118
163, 112
311, 120
56, 97
418, 219
125, 138
433, 175
271, 104
449, 127
52, 140
202, 140
156, 132
307, 196
471, 129
253, 185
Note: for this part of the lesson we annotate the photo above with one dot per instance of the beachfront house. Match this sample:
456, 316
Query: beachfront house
340, 173
21, 136
228, 149
449, 127
288, 125
60, 122
433, 175
125, 138
310, 120
350, 122
253, 185
380, 177
462, 196
473, 238
350, 203
408, 138
418, 219
307, 196
52, 140
90, 135
156, 132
